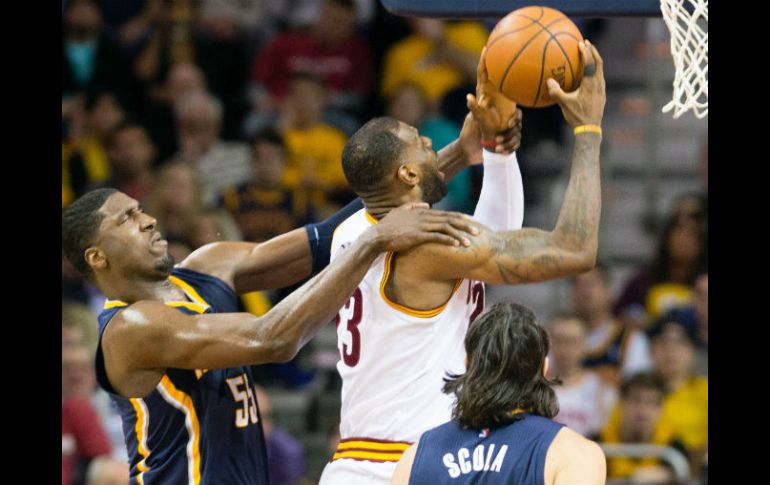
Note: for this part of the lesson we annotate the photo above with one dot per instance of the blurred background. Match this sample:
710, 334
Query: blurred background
227, 119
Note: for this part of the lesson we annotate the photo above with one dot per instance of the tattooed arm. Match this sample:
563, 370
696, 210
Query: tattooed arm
529, 255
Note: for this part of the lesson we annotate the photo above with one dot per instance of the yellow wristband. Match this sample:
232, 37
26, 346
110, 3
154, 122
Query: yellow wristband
588, 128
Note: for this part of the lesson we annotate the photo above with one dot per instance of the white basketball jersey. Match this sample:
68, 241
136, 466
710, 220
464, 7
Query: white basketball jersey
394, 359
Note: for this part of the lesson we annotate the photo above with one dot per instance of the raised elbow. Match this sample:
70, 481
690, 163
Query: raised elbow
282, 350
581, 253
277, 344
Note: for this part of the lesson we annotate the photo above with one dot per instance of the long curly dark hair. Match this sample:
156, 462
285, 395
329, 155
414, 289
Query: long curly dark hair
506, 350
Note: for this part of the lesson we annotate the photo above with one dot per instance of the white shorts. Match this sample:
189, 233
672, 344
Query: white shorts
354, 472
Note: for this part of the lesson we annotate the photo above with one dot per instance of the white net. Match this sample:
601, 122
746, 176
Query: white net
690, 50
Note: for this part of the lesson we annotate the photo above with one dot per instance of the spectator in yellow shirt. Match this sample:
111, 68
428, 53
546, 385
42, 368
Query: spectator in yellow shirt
638, 420
315, 148
673, 345
438, 56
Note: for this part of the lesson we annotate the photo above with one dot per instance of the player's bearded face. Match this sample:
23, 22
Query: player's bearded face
433, 186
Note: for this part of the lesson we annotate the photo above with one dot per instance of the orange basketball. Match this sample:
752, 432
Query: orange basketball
528, 46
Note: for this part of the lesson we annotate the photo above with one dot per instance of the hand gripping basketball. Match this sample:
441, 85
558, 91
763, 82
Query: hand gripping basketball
585, 105
491, 108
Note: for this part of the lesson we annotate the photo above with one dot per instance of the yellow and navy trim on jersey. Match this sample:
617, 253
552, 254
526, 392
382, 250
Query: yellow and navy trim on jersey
140, 430
404, 309
172, 395
183, 402
370, 449
198, 304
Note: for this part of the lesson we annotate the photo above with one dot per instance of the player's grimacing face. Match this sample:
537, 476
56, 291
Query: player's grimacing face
130, 237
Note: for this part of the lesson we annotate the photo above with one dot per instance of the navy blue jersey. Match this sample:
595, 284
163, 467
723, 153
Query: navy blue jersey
508, 455
198, 426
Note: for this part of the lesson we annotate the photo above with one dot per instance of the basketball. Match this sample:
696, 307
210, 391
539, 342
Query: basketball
528, 46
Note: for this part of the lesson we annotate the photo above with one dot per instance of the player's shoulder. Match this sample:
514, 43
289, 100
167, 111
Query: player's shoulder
574, 459
570, 444
142, 323
139, 314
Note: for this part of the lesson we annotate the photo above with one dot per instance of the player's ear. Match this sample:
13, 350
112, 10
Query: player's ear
408, 174
95, 258
545, 366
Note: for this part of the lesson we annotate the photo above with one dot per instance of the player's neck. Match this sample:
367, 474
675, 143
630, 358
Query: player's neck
132, 290
380, 205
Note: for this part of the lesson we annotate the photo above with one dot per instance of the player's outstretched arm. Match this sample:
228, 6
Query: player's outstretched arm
148, 337
289, 258
277, 263
501, 202
246, 266
530, 255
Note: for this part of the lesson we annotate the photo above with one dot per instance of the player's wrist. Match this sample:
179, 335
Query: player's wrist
488, 143
587, 128
499, 159
373, 241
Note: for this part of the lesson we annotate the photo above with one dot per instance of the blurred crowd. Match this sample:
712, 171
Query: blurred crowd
227, 119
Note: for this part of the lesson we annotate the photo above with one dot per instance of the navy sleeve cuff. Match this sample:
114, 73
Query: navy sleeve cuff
320, 234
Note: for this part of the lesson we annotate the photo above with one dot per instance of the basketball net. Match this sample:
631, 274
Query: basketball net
690, 50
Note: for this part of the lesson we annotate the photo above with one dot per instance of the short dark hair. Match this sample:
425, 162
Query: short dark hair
371, 153
80, 220
643, 380
506, 350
